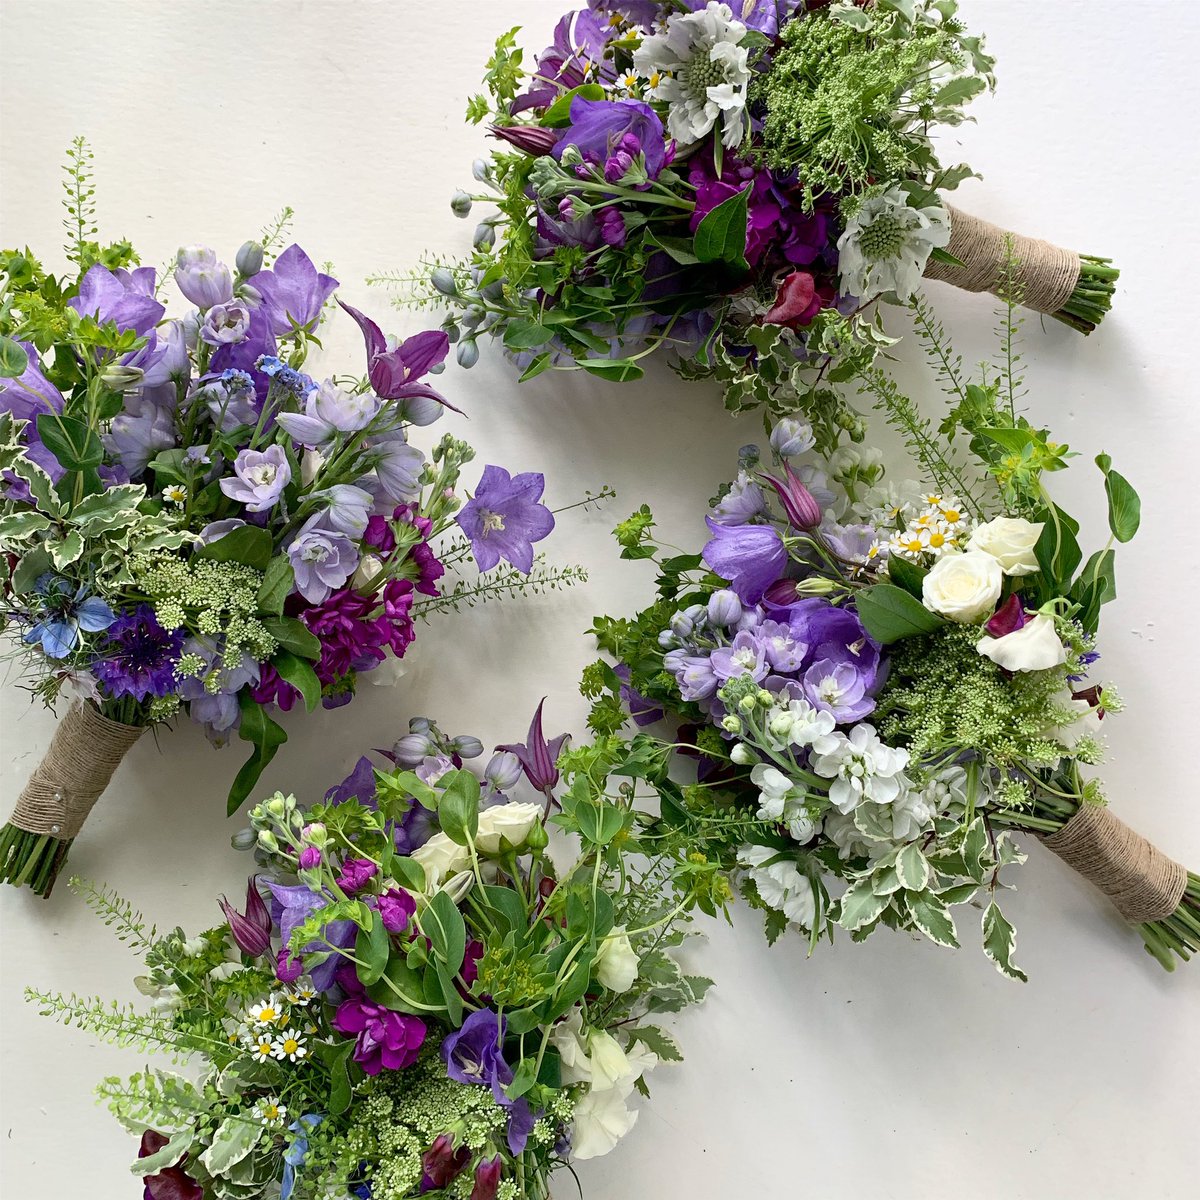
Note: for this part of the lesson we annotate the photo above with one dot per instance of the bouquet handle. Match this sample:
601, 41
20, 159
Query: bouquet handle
84, 753
1074, 288
1143, 883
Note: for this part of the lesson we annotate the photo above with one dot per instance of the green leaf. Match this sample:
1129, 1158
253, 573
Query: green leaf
234, 1139
265, 736
959, 91
443, 925
340, 1089
615, 370
1057, 547
63, 553
109, 509
860, 906
1095, 587
27, 572
524, 1077
932, 918
678, 248
999, 939
249, 545
13, 359
292, 634
1124, 505
168, 1156
372, 948
70, 441
657, 1041
598, 823
458, 809
507, 908
906, 574
535, 368
721, 236
278, 581
300, 675
889, 613
559, 113
912, 868
16, 526
525, 335
41, 487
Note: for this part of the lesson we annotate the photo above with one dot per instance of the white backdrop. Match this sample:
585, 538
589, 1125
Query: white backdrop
890, 1069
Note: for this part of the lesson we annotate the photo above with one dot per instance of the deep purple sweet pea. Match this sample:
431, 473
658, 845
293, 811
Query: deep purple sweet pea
356, 874
750, 557
1008, 618
293, 292
125, 298
322, 559
261, 476
840, 688
385, 1038
503, 519
605, 129
537, 755
441, 1164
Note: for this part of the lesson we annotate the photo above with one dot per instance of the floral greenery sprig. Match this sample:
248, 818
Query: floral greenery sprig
880, 682
430, 1005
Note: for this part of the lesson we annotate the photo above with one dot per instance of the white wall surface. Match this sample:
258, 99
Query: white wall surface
888, 1070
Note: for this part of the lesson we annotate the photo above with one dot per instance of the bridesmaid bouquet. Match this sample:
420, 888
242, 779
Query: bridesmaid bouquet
882, 681
191, 523
739, 183
416, 1000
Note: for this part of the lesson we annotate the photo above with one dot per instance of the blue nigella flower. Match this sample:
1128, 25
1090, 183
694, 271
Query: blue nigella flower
63, 612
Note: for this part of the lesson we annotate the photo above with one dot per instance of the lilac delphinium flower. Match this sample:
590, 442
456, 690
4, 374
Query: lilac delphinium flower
322, 559
743, 502
745, 655
139, 432
328, 411
839, 688
386, 1038
503, 519
693, 674
64, 612
204, 280
260, 477
137, 656
783, 650
293, 292
225, 324
125, 298
538, 756
750, 557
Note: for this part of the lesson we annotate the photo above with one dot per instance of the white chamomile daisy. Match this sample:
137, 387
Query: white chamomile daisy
290, 1045
269, 1111
911, 544
261, 1047
301, 993
268, 1011
176, 494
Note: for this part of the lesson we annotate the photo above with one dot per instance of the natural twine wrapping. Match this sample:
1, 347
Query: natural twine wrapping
85, 751
1141, 881
1045, 273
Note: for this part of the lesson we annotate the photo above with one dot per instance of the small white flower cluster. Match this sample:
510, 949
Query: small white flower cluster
940, 527
270, 1028
781, 885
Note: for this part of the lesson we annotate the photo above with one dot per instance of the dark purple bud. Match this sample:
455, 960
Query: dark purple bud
251, 930
356, 874
537, 755
287, 968
396, 909
617, 166
310, 857
487, 1179
442, 1163
782, 592
1008, 618
802, 509
531, 138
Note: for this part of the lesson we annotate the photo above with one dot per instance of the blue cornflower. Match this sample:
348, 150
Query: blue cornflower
63, 613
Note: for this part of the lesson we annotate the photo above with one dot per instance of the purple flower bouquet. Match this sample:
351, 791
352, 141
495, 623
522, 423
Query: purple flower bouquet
190, 523
739, 184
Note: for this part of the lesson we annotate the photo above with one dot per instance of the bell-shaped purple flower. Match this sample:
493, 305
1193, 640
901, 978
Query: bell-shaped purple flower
750, 557
204, 280
538, 756
398, 468
139, 432
260, 477
604, 130
293, 292
503, 519
347, 508
328, 411
125, 298
251, 929
487, 1179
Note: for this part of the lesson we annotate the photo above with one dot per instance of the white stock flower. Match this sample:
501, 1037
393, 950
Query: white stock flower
963, 587
798, 723
886, 245
780, 885
441, 858
513, 821
845, 835
1010, 541
1033, 647
911, 813
616, 962
779, 799
699, 68
861, 768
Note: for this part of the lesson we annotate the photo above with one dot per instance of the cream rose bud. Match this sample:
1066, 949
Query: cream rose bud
511, 821
1033, 647
440, 857
616, 963
368, 568
963, 587
1010, 541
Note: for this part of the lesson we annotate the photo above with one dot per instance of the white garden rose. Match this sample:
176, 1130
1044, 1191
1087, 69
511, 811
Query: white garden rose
963, 587
440, 857
1033, 647
616, 962
512, 821
1010, 541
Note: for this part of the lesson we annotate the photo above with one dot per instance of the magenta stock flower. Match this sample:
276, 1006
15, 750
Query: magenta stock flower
293, 292
252, 929
397, 909
356, 873
536, 755
385, 1038
503, 519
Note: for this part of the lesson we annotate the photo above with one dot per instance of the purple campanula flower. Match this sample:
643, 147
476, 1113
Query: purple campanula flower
743, 502
137, 656
251, 930
291, 907
831, 633
226, 324
386, 1039
840, 688
322, 559
293, 292
503, 770
125, 298
396, 909
356, 874
139, 432
744, 656
328, 411
580, 39
204, 280
503, 519
27, 397
538, 756
216, 530
398, 468
475, 1053
639, 12
620, 130
750, 557
260, 477
396, 374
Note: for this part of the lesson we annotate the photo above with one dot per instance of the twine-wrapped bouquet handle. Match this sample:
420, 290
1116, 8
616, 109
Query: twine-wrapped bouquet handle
84, 753
1143, 883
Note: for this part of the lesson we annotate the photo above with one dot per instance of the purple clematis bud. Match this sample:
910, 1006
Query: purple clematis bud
802, 509
487, 1179
251, 930
533, 139
201, 278
537, 756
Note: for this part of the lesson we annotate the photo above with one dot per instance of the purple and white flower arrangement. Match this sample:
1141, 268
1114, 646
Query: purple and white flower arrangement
880, 683
415, 998
738, 185
192, 523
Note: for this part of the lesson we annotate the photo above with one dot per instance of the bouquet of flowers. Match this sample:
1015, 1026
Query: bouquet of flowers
740, 183
883, 681
189, 522
416, 999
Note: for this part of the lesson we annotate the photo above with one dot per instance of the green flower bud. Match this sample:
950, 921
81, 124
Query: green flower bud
537, 839
268, 841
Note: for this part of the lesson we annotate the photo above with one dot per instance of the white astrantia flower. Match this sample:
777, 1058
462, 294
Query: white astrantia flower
1033, 647
861, 768
887, 244
781, 885
699, 67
